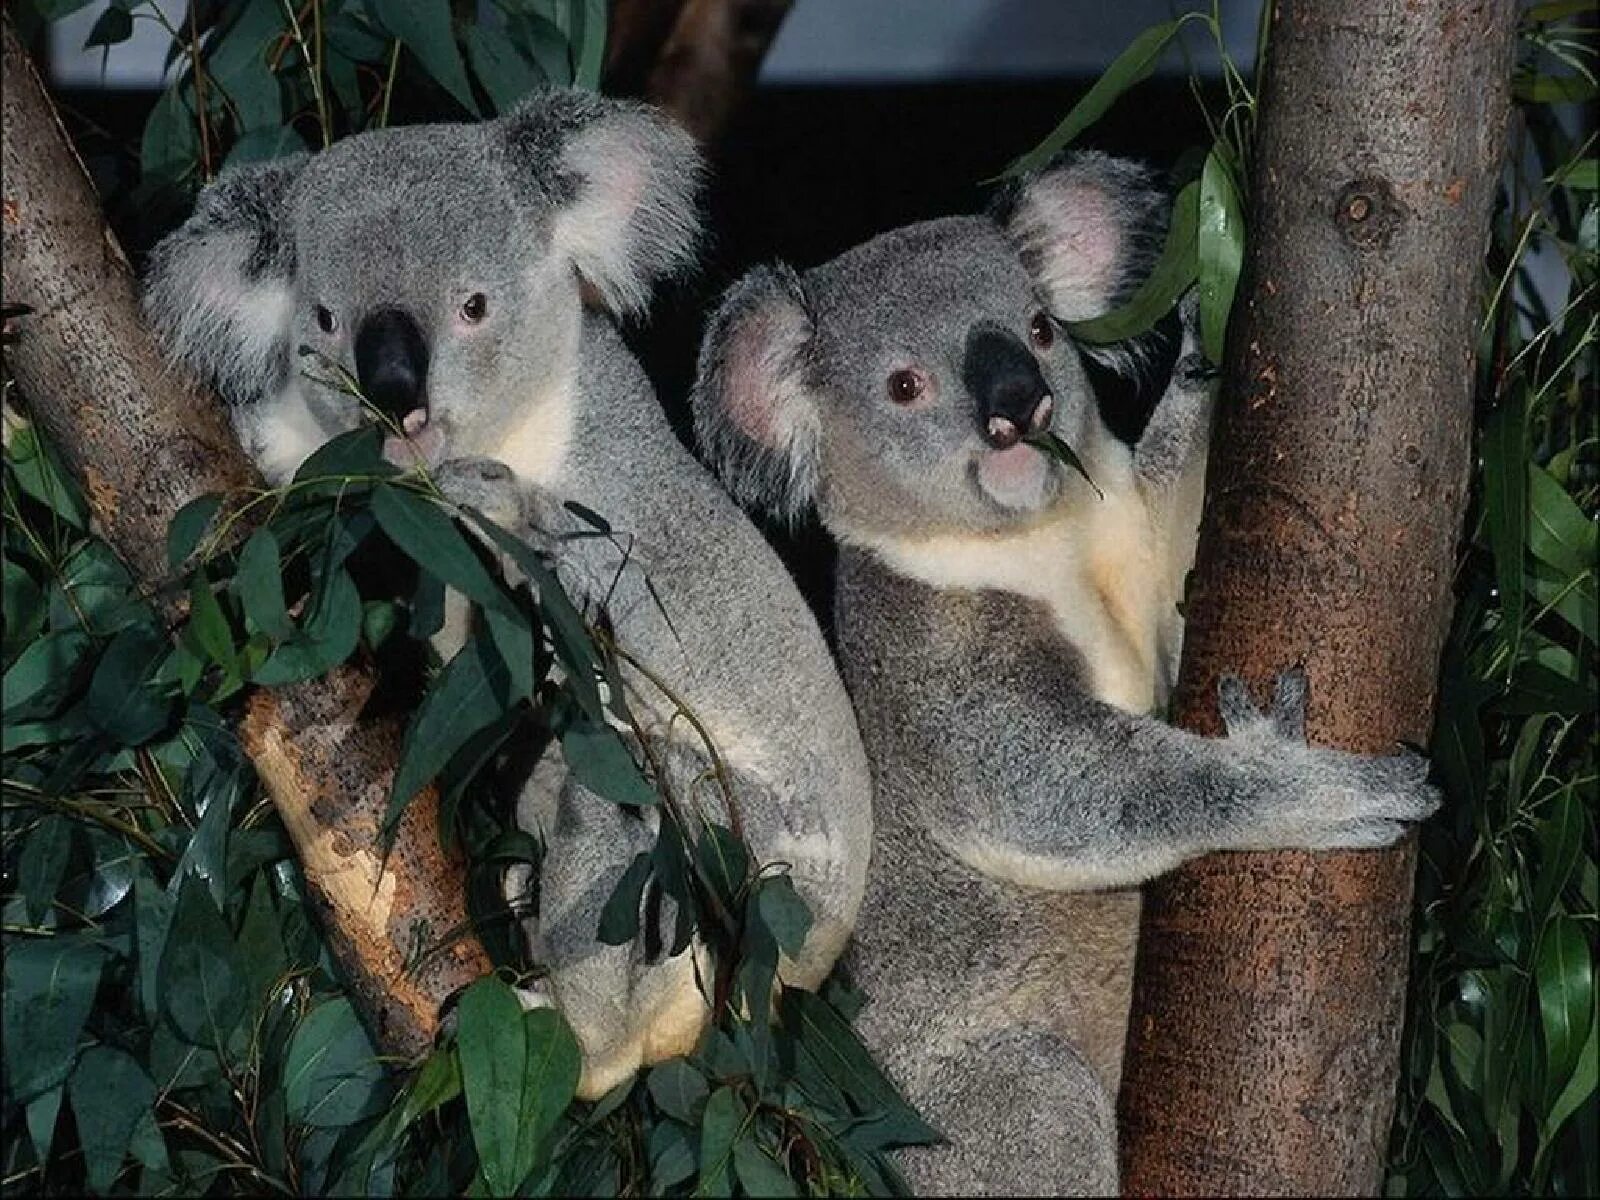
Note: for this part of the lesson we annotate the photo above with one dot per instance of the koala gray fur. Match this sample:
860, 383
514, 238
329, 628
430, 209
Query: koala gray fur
445, 268
1006, 635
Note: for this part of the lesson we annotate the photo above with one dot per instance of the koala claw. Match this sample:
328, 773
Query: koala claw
484, 484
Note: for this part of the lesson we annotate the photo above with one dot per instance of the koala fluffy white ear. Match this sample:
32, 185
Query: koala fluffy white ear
755, 413
624, 182
1089, 227
218, 290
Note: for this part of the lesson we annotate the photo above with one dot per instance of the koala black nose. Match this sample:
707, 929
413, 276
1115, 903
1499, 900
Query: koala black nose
392, 362
1004, 378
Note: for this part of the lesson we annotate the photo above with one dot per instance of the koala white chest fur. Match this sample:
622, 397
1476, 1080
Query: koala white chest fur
1096, 563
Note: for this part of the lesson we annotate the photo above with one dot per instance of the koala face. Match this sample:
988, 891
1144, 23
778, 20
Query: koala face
934, 355
429, 278
409, 280
893, 386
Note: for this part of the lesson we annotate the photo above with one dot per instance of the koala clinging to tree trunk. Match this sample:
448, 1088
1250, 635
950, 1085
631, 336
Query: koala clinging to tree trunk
444, 268
1007, 629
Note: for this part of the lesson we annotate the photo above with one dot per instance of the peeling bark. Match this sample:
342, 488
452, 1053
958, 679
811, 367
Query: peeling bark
144, 440
1263, 1045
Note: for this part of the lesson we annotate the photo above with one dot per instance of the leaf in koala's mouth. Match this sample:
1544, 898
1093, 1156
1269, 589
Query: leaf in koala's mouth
1057, 449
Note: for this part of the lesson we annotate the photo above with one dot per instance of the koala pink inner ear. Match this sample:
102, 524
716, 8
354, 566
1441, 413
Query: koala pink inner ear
1071, 235
758, 400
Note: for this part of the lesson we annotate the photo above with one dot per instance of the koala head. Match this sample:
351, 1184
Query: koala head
893, 386
440, 269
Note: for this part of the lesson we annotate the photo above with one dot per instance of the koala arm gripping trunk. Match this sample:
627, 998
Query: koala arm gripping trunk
1022, 774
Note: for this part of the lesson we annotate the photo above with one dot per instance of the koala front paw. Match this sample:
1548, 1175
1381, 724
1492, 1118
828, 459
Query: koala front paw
482, 483
1320, 798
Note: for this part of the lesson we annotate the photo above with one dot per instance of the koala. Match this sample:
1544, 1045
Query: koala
1009, 633
470, 278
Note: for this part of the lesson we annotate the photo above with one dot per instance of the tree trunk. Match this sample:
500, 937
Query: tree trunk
707, 60
1263, 1044
144, 440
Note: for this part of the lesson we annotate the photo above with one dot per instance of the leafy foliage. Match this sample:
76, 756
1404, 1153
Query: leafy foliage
1499, 1087
164, 976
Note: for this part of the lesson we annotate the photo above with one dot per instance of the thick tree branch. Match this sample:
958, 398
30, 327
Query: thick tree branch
699, 66
144, 440
1263, 1046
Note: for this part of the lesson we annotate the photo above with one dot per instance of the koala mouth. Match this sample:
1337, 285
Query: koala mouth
1018, 477
420, 443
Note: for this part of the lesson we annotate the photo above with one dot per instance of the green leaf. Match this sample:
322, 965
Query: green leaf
330, 635
331, 1074
513, 637
42, 674
122, 701
844, 1060
591, 44
505, 74
1505, 500
430, 538
724, 864
39, 475
264, 145
50, 985
42, 863
42, 1114
1174, 271
672, 1156
783, 913
1553, 89
619, 919
111, 1095
202, 982
188, 526
258, 582
720, 1124
471, 693
1558, 532
678, 1090
436, 1083
24, 608
1057, 448
208, 624
1561, 842
1581, 1086
1564, 970
423, 27
152, 915
1127, 69
492, 1049
357, 454
113, 27
759, 1174
568, 633
549, 1082
601, 762
1220, 250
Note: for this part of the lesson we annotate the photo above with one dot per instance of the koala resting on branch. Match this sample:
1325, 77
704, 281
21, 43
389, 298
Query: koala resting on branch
445, 269
1007, 629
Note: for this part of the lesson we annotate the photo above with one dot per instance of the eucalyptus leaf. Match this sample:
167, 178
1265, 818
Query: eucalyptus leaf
111, 1096
1127, 69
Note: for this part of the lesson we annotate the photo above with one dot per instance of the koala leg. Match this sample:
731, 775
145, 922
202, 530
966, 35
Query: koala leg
625, 1012
1024, 1115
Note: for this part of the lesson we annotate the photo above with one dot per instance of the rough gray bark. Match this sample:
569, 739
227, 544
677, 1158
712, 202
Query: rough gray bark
144, 440
1263, 1044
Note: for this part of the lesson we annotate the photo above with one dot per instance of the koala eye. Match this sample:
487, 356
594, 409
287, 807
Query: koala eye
1042, 331
475, 308
906, 386
326, 321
